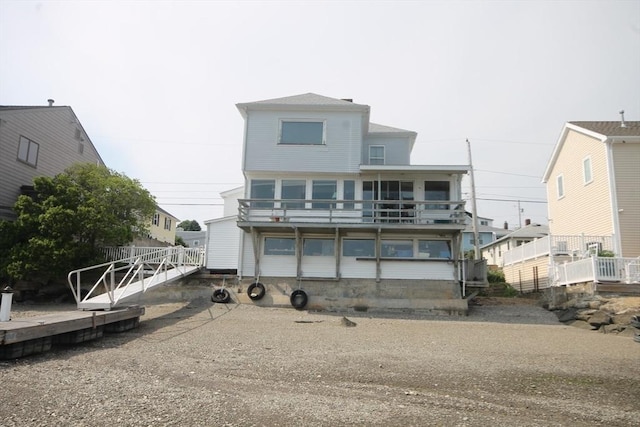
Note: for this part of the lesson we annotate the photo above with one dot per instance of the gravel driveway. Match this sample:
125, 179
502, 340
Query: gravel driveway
199, 364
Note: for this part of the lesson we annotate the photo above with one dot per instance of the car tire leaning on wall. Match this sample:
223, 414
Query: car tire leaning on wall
256, 291
221, 296
299, 299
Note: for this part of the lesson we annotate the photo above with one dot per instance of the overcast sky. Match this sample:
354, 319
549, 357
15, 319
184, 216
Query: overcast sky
155, 83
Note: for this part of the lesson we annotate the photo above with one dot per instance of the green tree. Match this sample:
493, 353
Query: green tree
190, 225
180, 242
71, 216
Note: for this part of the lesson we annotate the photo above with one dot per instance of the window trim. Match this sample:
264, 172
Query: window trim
301, 120
292, 252
327, 239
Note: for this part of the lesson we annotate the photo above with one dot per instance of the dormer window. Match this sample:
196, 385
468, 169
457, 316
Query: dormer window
376, 155
302, 132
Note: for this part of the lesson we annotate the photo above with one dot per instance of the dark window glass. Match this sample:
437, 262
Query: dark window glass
304, 133
263, 189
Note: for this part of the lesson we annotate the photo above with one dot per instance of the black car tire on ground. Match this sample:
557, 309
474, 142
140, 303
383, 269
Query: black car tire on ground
256, 291
299, 299
221, 296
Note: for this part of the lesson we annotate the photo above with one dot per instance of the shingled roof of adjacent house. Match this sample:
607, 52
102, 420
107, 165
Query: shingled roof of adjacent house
611, 128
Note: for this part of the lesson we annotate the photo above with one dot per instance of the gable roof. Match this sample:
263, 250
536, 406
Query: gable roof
531, 231
56, 107
307, 100
382, 129
601, 130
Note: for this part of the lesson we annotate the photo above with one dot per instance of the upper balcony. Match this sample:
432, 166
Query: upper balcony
439, 215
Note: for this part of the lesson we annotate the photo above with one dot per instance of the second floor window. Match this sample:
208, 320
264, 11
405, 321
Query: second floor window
301, 132
263, 189
28, 151
167, 224
294, 190
323, 190
156, 219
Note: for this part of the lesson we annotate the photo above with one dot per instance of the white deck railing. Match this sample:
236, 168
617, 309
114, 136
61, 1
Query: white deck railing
596, 270
576, 246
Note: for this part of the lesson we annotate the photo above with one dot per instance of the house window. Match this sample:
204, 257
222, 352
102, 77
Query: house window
473, 241
323, 190
376, 155
28, 151
434, 249
349, 193
167, 223
196, 243
279, 246
318, 247
156, 219
586, 170
436, 190
484, 222
263, 189
560, 186
302, 132
397, 248
294, 190
391, 194
358, 248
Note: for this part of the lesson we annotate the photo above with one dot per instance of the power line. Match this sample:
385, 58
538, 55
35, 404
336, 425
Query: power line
514, 200
507, 173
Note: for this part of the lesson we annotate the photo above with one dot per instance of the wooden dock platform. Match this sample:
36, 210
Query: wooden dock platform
23, 336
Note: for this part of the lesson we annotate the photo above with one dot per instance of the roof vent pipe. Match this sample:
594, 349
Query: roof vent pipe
348, 99
506, 225
527, 222
622, 123
50, 101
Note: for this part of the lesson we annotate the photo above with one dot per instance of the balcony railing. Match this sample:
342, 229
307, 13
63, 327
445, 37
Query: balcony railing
576, 246
597, 269
352, 211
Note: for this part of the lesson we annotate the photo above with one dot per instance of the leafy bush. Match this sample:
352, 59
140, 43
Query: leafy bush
495, 276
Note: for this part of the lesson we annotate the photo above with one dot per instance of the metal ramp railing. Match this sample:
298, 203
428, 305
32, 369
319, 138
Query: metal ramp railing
128, 278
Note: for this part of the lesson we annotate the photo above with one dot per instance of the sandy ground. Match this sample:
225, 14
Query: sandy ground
199, 364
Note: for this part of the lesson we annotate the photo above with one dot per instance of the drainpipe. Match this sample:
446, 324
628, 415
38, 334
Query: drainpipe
5, 304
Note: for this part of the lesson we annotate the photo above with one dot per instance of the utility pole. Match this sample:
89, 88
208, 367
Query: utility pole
476, 241
519, 214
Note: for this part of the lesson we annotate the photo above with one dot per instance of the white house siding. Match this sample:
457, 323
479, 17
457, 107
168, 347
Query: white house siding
54, 129
278, 266
341, 153
427, 270
318, 266
584, 208
522, 276
626, 159
248, 263
223, 244
397, 150
231, 201
352, 268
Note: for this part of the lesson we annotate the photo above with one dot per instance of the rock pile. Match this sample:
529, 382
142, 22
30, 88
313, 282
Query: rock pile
617, 315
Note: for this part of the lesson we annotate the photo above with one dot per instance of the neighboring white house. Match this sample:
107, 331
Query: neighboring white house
223, 235
333, 209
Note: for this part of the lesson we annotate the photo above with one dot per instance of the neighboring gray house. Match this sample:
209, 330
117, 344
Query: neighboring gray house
487, 233
335, 215
38, 141
193, 239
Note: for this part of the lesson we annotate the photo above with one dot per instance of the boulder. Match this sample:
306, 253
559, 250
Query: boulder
599, 318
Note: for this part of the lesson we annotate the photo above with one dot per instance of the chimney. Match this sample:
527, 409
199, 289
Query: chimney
50, 101
622, 123
506, 225
527, 222
348, 99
